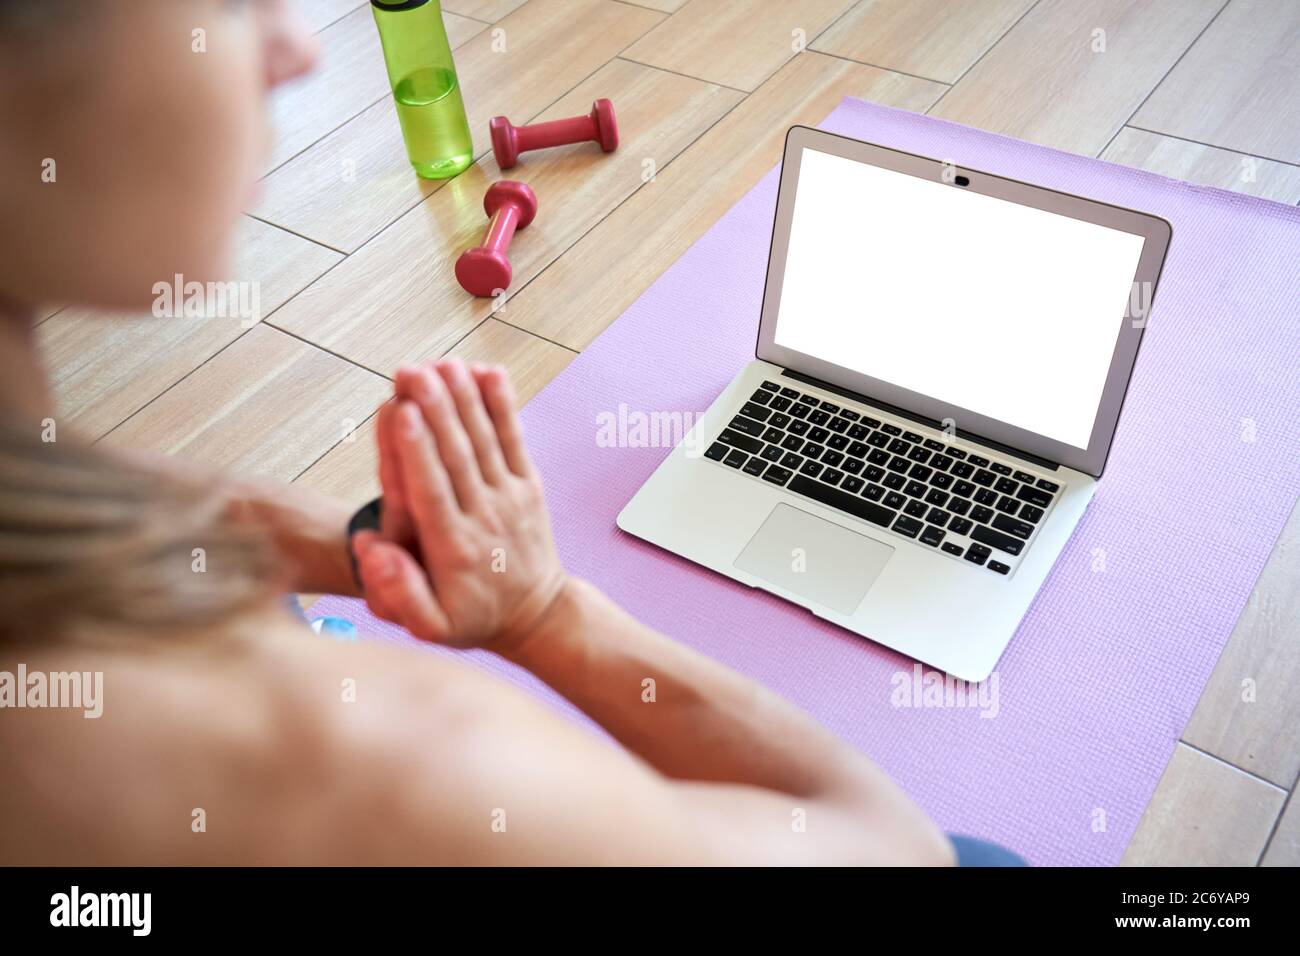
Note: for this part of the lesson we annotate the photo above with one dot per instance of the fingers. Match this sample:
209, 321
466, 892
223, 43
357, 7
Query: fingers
499, 397
395, 521
474, 417
395, 583
426, 388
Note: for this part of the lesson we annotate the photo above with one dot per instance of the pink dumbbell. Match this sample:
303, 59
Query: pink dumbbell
599, 126
485, 270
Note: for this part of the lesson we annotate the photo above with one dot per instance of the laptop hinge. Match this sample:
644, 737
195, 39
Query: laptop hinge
919, 419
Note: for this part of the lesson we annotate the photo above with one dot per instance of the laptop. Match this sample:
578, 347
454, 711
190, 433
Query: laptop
941, 362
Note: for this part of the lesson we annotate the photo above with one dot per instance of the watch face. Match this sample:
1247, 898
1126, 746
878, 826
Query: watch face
367, 517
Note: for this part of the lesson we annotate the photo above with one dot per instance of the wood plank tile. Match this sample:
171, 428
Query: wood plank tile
1284, 848
356, 181
350, 471
105, 368
397, 300
1249, 710
735, 42
1236, 88
268, 405
645, 235
663, 6
932, 38
1204, 813
1043, 82
489, 11
321, 13
349, 77
1207, 165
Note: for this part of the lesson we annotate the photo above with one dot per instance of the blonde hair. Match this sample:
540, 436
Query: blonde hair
89, 544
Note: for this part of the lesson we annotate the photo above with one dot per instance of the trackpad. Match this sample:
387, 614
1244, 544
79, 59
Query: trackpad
815, 558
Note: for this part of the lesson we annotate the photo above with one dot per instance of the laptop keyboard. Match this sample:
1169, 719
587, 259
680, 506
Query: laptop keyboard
955, 500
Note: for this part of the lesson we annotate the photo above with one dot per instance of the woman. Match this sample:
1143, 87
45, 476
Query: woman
229, 733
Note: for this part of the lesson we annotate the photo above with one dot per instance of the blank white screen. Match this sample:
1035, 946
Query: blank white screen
1001, 309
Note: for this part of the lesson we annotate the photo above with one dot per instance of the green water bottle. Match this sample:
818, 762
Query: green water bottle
423, 77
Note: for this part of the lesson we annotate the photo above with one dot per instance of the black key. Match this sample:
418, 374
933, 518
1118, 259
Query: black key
998, 566
917, 509
838, 442
919, 472
870, 421
960, 526
811, 468
780, 404
952, 548
919, 454
819, 435
736, 440
958, 505
912, 436
963, 469
858, 431
1003, 542
1007, 505
812, 450
735, 458
777, 475
850, 414
852, 465
977, 554
1030, 513
978, 461
770, 387
982, 514
831, 476
851, 484
937, 497
1006, 486
832, 459
940, 462
932, 536
747, 425
819, 417
754, 466
1023, 476
750, 410
812, 400
789, 393
984, 478
1050, 487
905, 525
874, 492
798, 427
897, 464
933, 445
855, 505
940, 480
891, 429
878, 440
874, 472
791, 460
893, 480
938, 516
858, 450
778, 420
716, 452
1035, 496
894, 500
830, 407
986, 496
1011, 526
838, 424
899, 447
792, 443
915, 489
761, 397
956, 452
963, 488
799, 410
1000, 468
773, 435
772, 453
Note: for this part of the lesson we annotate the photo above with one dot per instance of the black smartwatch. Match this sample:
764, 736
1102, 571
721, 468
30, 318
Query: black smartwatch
367, 518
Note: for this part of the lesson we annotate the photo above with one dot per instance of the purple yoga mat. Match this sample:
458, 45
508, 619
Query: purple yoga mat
1108, 664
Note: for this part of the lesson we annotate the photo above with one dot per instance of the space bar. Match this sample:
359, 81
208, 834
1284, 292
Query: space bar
858, 507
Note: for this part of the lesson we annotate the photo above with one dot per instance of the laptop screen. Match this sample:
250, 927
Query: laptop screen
1008, 311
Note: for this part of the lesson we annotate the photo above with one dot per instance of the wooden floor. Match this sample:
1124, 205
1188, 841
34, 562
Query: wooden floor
353, 253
